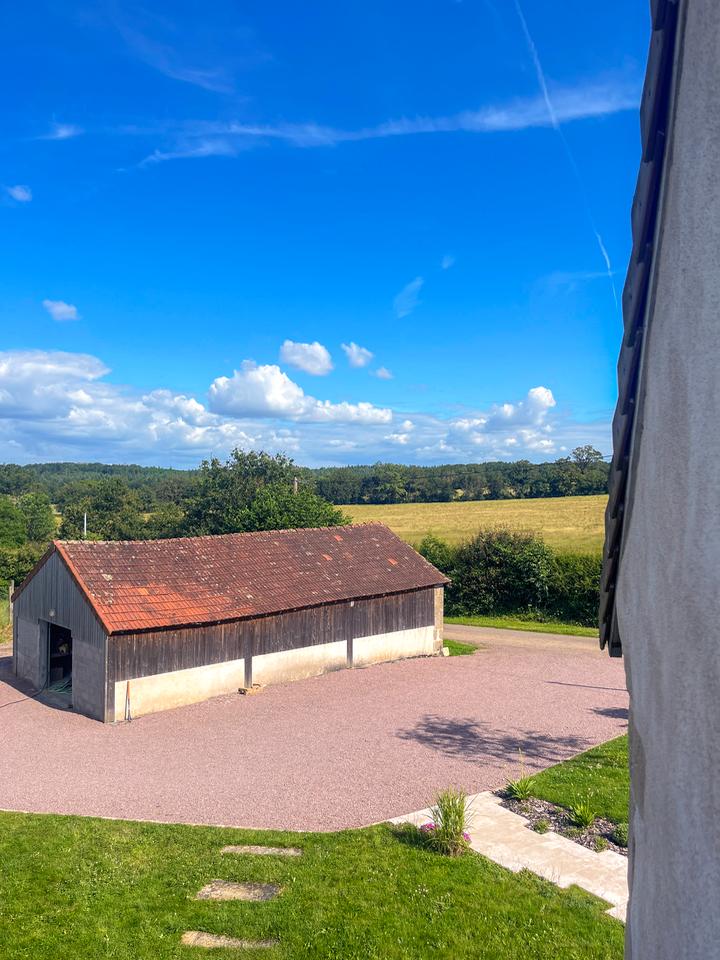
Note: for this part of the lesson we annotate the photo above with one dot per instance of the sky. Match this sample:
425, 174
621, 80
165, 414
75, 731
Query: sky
348, 232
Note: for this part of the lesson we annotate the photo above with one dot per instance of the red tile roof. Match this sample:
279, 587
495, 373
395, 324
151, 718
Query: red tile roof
154, 584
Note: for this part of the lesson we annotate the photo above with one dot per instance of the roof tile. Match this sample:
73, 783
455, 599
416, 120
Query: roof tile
155, 584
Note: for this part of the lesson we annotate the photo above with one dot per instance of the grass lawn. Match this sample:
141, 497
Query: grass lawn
85, 888
5, 625
517, 623
459, 649
572, 524
600, 776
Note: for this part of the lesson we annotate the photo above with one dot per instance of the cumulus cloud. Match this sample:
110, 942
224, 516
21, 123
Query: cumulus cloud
312, 357
408, 298
266, 391
56, 405
357, 356
20, 192
382, 373
61, 311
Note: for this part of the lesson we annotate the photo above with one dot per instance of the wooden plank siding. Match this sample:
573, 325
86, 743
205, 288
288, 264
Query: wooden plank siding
164, 651
53, 597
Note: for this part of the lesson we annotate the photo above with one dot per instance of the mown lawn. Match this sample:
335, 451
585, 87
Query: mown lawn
85, 888
5, 625
570, 524
520, 623
600, 776
459, 649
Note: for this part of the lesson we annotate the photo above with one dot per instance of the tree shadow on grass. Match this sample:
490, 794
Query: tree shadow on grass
474, 741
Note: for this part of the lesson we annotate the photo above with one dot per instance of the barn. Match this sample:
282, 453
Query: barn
125, 628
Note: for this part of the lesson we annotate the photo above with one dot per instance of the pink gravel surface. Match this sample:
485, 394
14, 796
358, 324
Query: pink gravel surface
343, 750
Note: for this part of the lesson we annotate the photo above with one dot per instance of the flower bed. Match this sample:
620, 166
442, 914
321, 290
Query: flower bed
600, 835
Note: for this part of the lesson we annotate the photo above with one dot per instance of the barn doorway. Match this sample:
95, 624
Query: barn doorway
59, 678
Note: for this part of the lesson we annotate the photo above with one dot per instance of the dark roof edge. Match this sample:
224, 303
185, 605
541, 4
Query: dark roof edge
656, 113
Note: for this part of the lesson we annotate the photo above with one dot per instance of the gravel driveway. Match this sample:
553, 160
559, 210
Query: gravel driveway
342, 750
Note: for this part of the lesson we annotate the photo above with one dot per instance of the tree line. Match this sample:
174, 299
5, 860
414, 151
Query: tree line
249, 491
582, 473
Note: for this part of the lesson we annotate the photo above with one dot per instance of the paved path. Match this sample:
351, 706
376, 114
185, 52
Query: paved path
481, 636
505, 837
349, 748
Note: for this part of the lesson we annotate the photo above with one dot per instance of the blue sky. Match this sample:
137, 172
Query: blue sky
202, 203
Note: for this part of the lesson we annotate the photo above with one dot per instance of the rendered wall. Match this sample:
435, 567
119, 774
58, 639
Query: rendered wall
668, 592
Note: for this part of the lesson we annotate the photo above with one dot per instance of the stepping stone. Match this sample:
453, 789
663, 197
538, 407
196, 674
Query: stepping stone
197, 938
228, 890
265, 851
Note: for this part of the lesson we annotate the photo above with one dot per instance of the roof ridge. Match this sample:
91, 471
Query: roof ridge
236, 533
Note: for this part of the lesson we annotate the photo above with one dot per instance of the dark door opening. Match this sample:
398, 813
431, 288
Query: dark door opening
59, 659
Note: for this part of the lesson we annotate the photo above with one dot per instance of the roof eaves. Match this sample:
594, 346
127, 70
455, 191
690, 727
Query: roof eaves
125, 631
655, 123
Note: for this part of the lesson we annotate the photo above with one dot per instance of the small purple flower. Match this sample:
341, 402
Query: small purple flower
427, 827
466, 837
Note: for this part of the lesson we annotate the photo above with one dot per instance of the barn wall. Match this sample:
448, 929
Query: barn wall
53, 588
170, 667
668, 594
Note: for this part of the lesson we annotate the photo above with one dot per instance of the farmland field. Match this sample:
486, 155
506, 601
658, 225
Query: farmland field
572, 524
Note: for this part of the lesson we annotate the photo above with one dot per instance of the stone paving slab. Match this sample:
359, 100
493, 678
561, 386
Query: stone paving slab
198, 938
260, 851
504, 837
229, 890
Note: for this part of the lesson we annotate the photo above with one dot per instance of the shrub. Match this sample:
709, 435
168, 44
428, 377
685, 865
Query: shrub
16, 564
448, 831
500, 571
437, 552
600, 844
620, 835
582, 815
541, 826
521, 789
574, 588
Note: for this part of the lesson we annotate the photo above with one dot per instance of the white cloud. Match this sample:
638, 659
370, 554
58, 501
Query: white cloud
312, 357
597, 98
265, 391
19, 192
357, 356
382, 373
447, 261
408, 298
56, 406
62, 131
61, 311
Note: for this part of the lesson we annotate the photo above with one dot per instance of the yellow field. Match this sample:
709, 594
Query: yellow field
574, 524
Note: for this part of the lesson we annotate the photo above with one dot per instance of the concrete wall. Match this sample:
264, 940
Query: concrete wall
299, 663
52, 596
163, 691
668, 593
418, 642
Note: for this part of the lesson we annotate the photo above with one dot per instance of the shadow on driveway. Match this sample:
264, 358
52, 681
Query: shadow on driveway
472, 740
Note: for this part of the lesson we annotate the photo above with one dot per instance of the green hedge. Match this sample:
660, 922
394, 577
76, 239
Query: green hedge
500, 572
17, 562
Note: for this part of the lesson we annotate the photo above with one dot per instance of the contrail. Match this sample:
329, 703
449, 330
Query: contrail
540, 73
